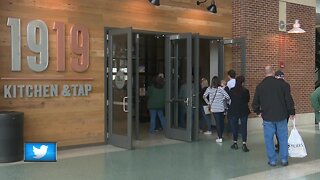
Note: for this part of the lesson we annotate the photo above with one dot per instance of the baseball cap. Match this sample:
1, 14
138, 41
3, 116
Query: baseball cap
279, 73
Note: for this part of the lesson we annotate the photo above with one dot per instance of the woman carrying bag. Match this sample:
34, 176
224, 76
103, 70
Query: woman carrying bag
217, 97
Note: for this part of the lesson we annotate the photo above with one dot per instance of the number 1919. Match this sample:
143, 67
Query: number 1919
79, 45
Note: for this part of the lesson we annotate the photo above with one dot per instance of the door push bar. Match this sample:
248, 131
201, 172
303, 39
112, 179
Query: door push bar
187, 101
124, 104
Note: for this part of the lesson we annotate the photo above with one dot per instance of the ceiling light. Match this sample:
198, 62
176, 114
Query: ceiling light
155, 2
212, 8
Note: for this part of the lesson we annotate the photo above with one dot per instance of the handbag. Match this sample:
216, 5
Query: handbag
206, 109
296, 147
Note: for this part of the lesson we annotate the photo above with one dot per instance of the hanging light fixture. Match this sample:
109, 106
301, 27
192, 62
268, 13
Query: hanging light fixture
212, 8
296, 27
155, 2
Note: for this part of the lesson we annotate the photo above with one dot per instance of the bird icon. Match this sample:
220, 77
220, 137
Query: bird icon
40, 153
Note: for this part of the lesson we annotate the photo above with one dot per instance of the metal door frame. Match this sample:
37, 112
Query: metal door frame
241, 41
195, 96
115, 139
179, 134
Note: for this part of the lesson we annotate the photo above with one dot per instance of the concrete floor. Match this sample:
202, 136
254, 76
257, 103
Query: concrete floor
159, 158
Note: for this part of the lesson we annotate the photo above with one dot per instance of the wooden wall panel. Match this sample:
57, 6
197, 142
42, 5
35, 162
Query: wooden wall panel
80, 120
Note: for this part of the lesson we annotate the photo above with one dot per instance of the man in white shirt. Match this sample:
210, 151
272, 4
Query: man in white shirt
232, 79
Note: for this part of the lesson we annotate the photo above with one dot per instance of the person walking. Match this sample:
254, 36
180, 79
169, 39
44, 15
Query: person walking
315, 103
205, 120
156, 102
217, 96
273, 102
239, 109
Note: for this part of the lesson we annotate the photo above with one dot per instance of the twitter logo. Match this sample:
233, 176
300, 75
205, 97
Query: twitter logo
40, 151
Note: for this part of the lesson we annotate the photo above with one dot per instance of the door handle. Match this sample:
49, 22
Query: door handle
187, 101
124, 104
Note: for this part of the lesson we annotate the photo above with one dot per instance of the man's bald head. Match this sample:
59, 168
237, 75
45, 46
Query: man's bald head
269, 71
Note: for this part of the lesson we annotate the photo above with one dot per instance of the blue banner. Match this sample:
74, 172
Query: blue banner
40, 151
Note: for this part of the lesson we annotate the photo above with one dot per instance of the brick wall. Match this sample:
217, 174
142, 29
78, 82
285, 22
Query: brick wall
258, 22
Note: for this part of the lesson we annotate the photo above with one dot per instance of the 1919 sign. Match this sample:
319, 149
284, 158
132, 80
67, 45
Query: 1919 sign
37, 41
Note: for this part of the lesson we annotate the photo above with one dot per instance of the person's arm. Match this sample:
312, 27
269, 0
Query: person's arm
315, 100
205, 95
289, 100
247, 96
225, 94
256, 102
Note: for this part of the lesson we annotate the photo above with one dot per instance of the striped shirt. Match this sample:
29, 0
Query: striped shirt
217, 104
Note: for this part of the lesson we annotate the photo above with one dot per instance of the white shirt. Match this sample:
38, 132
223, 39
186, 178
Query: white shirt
231, 83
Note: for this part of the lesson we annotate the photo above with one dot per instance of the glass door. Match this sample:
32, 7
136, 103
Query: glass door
179, 86
238, 46
119, 87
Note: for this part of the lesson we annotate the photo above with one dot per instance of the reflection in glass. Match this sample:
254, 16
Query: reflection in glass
120, 104
179, 90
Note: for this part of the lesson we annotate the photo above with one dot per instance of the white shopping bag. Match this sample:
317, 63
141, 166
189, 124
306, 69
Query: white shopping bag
295, 143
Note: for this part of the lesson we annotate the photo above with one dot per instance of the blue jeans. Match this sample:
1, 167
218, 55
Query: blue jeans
281, 129
219, 117
153, 115
205, 120
235, 126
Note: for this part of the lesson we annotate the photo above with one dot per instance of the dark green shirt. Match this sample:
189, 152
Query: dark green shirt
156, 98
315, 102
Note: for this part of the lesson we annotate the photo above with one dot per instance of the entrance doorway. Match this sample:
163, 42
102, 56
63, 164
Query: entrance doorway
133, 58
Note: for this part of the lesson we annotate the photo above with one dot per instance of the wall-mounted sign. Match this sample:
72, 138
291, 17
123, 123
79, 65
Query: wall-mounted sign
37, 38
46, 90
37, 28
120, 79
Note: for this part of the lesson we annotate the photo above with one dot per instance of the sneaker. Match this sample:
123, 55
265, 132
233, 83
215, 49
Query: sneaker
284, 163
219, 140
244, 148
234, 146
207, 133
272, 164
